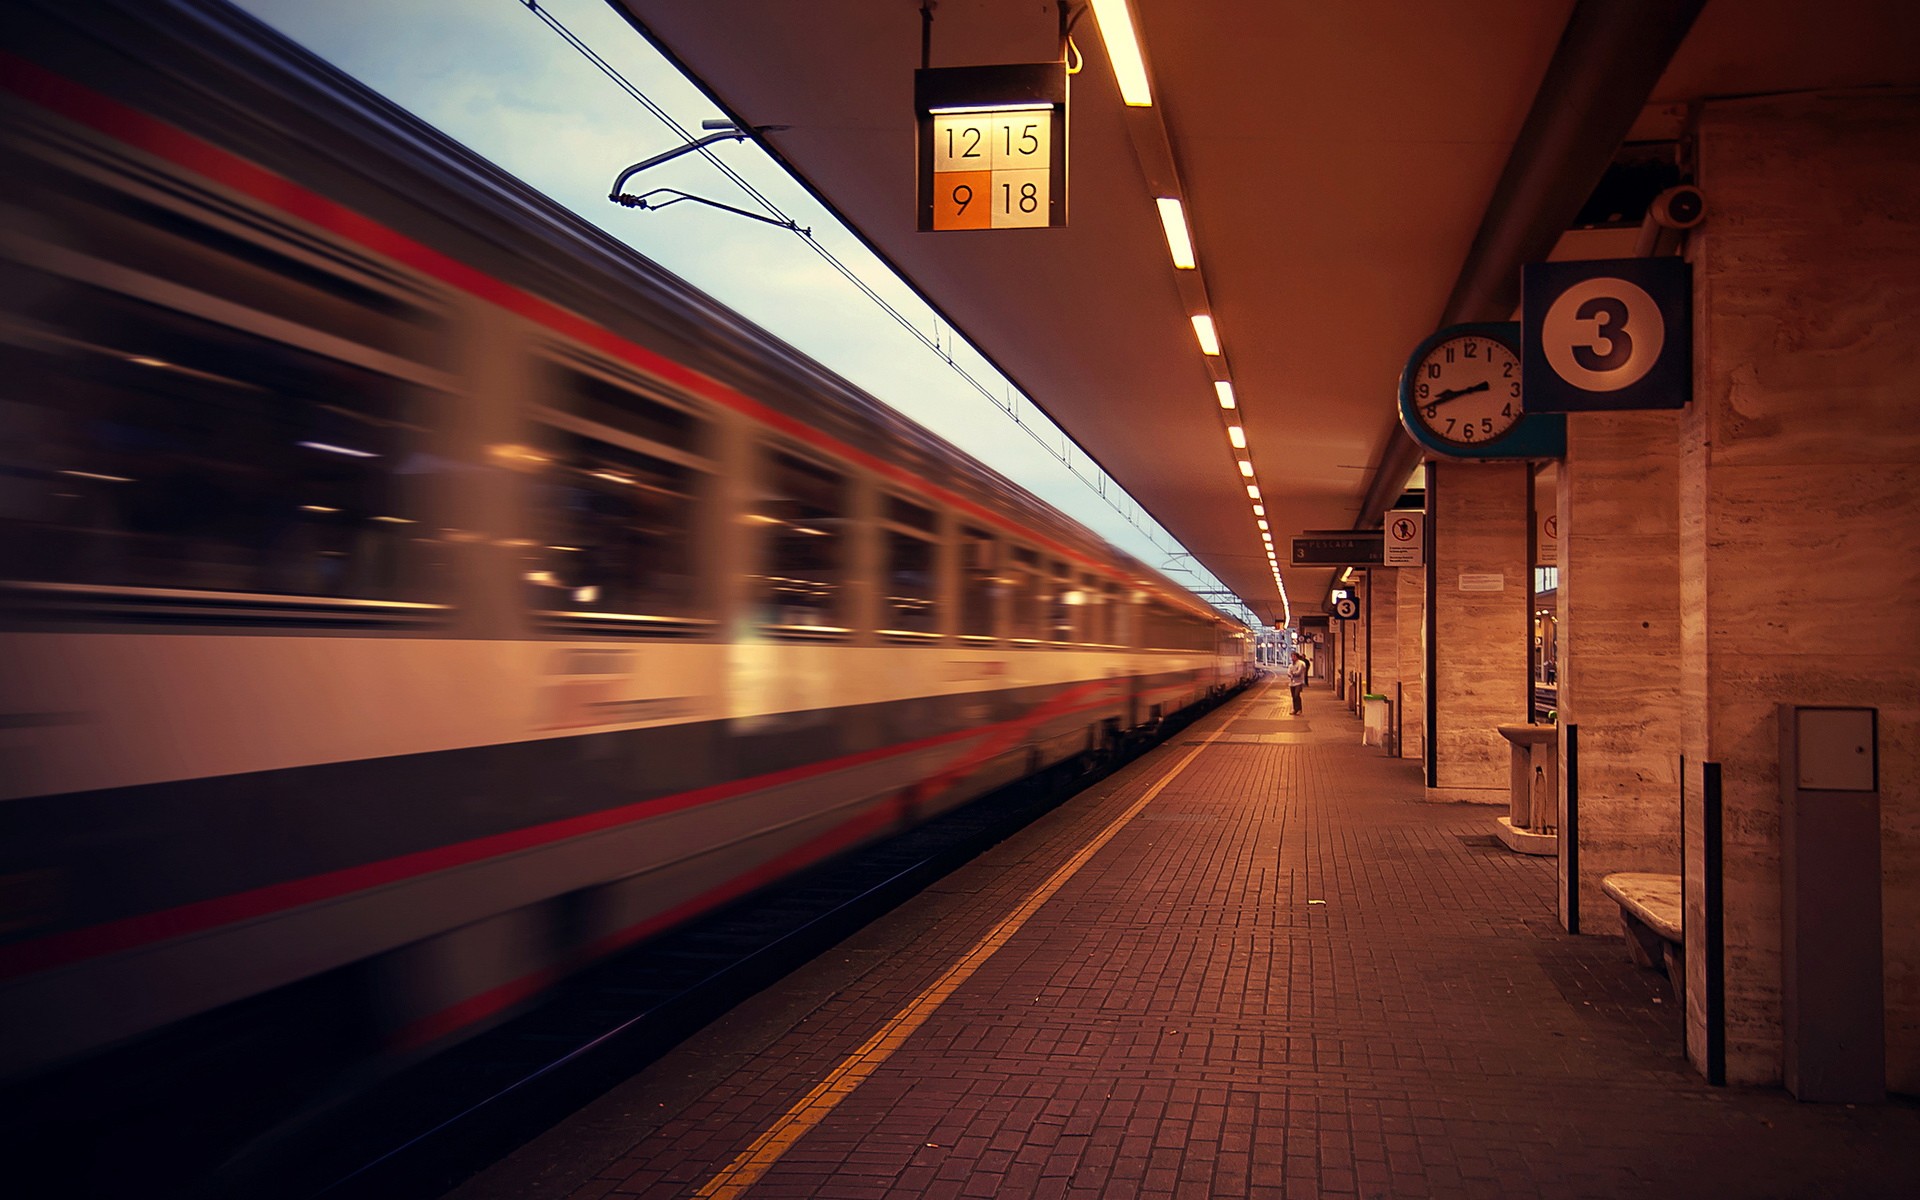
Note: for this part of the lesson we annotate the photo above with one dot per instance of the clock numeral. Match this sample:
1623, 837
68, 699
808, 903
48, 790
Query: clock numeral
1506, 410
1420, 393
1513, 389
1433, 370
1449, 353
1506, 369
1432, 411
1486, 424
1473, 350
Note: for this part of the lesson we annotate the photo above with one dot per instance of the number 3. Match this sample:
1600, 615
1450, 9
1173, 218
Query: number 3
1610, 318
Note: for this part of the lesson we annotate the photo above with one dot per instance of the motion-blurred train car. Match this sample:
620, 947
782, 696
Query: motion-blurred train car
403, 579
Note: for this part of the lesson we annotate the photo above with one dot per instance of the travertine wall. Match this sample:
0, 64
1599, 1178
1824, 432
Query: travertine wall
1480, 524
1384, 630
1800, 492
1619, 629
1410, 646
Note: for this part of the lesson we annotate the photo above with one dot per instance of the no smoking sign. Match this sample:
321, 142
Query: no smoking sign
1606, 335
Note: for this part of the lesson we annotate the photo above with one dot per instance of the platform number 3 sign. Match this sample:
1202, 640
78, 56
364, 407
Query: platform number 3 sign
1606, 335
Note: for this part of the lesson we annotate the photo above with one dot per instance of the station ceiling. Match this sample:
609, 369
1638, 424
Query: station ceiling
1355, 174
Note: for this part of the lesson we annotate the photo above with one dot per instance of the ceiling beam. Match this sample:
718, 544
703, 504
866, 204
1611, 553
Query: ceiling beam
1610, 56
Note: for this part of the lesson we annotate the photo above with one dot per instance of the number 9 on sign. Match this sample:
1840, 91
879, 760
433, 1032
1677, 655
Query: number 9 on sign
1603, 334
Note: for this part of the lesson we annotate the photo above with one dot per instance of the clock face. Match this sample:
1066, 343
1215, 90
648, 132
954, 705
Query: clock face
1466, 390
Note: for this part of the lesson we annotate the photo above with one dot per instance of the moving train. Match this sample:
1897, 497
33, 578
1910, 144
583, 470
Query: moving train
410, 587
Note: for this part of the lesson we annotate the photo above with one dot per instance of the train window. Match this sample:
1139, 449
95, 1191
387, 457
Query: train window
614, 532
908, 606
1028, 588
913, 516
1061, 600
980, 581
630, 411
910, 585
1093, 612
141, 448
804, 516
229, 254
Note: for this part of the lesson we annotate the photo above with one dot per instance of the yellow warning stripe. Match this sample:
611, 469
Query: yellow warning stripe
756, 1160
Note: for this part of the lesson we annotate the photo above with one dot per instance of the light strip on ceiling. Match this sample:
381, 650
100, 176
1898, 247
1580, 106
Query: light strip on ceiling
1203, 329
1246, 468
1173, 219
1224, 390
1123, 51
1237, 436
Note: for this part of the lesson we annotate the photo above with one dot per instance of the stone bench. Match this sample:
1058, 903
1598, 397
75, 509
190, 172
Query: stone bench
1650, 917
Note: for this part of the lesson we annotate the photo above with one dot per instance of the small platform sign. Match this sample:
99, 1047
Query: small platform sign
1607, 335
993, 146
1546, 539
1405, 540
1335, 548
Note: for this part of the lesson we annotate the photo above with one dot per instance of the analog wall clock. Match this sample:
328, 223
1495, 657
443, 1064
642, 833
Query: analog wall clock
1462, 395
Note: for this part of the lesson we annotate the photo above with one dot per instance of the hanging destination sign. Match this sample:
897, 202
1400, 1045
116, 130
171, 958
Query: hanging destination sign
992, 146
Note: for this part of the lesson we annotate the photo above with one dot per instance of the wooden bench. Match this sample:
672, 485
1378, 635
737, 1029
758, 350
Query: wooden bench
1650, 917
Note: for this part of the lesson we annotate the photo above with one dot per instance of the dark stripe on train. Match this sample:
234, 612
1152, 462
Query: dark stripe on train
119, 853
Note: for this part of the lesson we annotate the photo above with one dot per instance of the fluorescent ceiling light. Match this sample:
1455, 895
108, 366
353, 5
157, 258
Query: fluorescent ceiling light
1253, 491
1123, 51
1237, 436
1259, 510
1262, 524
1224, 390
330, 448
1246, 468
1203, 329
1173, 219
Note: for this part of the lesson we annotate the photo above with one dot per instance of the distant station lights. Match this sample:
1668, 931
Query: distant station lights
1121, 37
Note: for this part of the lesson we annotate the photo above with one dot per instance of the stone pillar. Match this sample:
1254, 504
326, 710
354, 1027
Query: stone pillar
1619, 628
1481, 623
1383, 631
1410, 646
1799, 495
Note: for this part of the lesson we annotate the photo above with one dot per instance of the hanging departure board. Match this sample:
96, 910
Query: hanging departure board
993, 146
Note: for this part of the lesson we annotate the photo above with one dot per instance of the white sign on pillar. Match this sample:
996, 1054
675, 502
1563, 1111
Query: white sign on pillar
1405, 543
1546, 539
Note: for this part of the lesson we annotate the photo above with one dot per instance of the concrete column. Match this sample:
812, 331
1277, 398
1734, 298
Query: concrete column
1619, 629
1383, 631
1410, 652
1481, 621
1800, 494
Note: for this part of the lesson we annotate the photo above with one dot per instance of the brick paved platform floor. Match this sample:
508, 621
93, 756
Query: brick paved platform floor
1288, 975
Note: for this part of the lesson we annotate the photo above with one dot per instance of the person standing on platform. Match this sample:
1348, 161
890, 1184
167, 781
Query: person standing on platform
1297, 679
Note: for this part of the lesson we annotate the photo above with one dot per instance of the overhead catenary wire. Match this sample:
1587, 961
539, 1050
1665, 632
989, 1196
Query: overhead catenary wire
1062, 455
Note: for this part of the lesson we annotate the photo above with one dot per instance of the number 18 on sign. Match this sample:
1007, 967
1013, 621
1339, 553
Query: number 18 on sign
992, 146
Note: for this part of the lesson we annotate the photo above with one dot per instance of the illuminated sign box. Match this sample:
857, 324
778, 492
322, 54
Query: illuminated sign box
993, 146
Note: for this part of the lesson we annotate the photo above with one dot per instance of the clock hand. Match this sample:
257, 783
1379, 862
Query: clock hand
1456, 393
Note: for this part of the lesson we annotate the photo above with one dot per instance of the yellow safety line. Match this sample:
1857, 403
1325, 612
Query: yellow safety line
756, 1160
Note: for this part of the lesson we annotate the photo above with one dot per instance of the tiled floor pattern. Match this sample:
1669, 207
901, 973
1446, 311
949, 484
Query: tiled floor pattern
1288, 976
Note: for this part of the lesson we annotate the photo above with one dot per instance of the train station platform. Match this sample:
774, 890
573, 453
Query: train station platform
1256, 962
